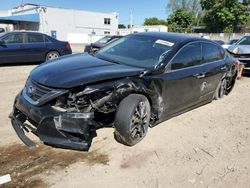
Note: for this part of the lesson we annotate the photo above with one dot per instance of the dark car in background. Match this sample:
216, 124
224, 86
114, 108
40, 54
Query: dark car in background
132, 84
220, 42
26, 47
2, 30
230, 43
241, 51
94, 47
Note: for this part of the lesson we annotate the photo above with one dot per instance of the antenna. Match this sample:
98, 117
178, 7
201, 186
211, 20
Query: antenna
131, 21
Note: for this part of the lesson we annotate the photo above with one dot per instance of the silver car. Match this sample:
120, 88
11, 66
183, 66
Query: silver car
241, 51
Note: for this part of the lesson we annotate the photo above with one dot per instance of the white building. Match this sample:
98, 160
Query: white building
2, 25
138, 29
76, 26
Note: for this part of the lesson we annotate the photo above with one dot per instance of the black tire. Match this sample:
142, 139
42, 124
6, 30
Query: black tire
131, 126
220, 90
52, 55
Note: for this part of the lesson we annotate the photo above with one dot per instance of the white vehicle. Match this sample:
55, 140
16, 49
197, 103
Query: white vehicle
241, 51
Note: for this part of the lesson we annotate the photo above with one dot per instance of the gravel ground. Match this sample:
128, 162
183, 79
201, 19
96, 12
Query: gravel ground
206, 147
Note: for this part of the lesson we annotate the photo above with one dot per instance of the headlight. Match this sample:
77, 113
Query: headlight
235, 51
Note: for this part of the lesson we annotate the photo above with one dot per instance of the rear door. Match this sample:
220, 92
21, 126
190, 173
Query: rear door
35, 47
13, 49
215, 67
182, 79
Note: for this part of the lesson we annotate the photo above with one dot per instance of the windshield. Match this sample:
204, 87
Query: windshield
244, 41
139, 51
104, 40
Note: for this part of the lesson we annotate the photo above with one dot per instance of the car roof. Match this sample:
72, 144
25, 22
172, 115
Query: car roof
173, 37
24, 32
33, 32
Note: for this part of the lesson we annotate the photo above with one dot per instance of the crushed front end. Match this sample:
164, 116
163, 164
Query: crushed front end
46, 113
245, 60
242, 53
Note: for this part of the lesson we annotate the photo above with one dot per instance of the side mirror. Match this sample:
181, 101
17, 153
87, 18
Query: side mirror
2, 42
158, 69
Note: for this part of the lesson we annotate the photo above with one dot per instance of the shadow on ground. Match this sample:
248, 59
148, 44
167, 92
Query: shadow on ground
18, 64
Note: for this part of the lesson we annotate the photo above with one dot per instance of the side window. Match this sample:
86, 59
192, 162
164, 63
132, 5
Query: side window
211, 53
34, 38
16, 38
189, 56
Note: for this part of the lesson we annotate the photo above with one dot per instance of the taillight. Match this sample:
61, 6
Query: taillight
68, 46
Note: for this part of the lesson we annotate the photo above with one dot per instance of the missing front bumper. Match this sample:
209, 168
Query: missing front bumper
66, 130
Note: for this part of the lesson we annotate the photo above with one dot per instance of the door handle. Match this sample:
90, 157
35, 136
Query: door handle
224, 68
199, 76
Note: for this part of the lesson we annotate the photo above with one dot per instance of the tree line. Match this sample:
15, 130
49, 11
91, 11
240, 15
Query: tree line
215, 15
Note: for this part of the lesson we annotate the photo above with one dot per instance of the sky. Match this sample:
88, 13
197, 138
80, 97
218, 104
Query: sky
141, 9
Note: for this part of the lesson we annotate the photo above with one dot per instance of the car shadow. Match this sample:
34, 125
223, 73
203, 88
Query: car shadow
19, 64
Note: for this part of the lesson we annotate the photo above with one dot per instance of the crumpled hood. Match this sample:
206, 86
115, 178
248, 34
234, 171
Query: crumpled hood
74, 70
239, 49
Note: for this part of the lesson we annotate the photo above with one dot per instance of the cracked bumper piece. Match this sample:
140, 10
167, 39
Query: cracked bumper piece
58, 129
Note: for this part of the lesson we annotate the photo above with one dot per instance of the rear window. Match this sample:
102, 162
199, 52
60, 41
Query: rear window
47, 39
211, 53
35, 38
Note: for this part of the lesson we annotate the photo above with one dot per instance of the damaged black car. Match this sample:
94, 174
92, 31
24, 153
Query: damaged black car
132, 84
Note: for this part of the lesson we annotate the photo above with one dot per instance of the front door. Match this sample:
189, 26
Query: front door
12, 51
182, 80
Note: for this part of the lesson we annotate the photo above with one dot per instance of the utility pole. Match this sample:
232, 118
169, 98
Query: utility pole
131, 21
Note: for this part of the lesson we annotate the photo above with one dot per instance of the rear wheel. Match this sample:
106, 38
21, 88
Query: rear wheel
220, 90
132, 119
52, 55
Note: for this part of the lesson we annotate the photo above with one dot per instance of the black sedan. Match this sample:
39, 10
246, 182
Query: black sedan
25, 47
2, 30
94, 47
134, 83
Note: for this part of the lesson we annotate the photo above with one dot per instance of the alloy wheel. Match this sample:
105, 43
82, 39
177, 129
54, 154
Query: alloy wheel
139, 121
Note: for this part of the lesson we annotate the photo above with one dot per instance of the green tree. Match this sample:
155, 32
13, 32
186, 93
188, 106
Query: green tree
121, 26
180, 21
246, 2
190, 6
224, 15
154, 21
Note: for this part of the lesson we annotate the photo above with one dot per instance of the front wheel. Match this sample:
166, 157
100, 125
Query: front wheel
132, 119
52, 55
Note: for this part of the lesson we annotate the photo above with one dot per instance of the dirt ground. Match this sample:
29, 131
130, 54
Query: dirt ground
206, 147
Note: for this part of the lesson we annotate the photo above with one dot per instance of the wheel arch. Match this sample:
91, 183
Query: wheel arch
114, 91
52, 50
